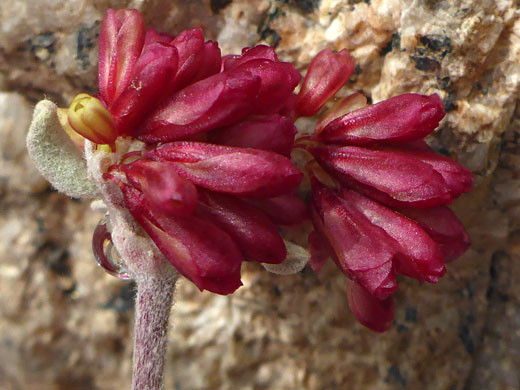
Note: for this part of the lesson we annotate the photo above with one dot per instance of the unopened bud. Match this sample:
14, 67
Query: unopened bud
88, 117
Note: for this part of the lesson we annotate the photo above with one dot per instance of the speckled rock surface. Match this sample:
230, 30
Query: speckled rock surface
64, 324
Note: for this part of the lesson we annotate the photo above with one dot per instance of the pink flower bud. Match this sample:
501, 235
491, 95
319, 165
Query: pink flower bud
232, 170
120, 42
371, 312
151, 82
216, 101
197, 60
391, 178
278, 80
418, 255
271, 132
198, 249
402, 118
327, 73
444, 228
363, 251
255, 235
163, 189
248, 54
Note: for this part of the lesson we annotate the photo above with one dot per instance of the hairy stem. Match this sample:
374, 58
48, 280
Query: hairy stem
153, 306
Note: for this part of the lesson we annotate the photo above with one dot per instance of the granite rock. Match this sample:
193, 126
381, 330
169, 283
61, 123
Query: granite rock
64, 324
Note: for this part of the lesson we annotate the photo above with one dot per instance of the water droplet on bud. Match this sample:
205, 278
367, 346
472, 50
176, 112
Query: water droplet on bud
105, 253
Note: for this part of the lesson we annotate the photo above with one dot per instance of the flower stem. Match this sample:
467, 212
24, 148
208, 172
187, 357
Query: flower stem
153, 306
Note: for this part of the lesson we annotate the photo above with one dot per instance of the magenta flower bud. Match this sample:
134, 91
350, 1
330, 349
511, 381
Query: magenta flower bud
444, 228
120, 43
402, 118
163, 189
371, 312
255, 235
270, 132
197, 60
391, 178
209, 62
198, 249
278, 80
153, 80
327, 73
248, 54
363, 251
231, 170
216, 101
457, 178
418, 255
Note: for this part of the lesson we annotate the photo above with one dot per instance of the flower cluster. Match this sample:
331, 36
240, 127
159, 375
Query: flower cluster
379, 194
206, 171
214, 179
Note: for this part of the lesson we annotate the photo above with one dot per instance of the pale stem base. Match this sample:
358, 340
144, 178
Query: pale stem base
153, 305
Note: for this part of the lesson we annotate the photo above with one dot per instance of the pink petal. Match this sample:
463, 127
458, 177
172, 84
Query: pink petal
271, 132
152, 81
371, 312
363, 250
255, 235
327, 73
216, 101
444, 227
288, 209
232, 170
163, 189
396, 178
278, 80
120, 42
399, 119
420, 257
197, 249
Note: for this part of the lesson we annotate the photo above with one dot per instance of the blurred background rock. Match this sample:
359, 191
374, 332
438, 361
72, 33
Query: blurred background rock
65, 324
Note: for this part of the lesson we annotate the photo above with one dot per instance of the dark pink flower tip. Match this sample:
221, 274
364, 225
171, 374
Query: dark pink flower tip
327, 73
196, 58
278, 80
363, 251
232, 170
198, 249
255, 235
270, 132
444, 227
152, 81
163, 189
216, 101
288, 209
390, 178
399, 119
418, 255
457, 178
375, 314
248, 54
120, 43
